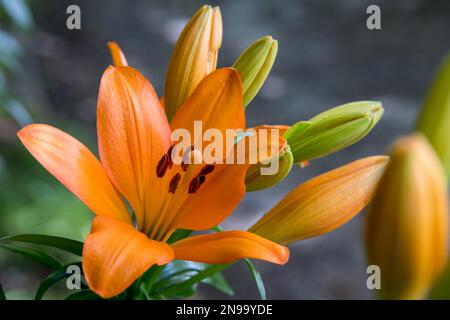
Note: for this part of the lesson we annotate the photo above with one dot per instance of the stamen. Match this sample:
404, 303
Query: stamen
207, 169
162, 166
196, 183
173, 184
169, 153
191, 156
164, 163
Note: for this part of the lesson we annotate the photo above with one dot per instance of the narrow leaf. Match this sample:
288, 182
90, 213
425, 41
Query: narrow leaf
19, 13
68, 245
34, 254
83, 295
219, 282
52, 279
257, 277
2, 293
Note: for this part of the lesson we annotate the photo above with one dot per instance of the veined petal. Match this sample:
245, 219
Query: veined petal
222, 191
115, 255
228, 246
69, 161
118, 57
217, 103
133, 134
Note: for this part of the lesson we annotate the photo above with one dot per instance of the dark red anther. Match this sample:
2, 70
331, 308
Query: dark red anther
173, 184
169, 153
184, 166
162, 166
195, 183
207, 169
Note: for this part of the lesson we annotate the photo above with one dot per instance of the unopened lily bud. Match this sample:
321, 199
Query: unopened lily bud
323, 203
434, 120
406, 226
194, 57
333, 130
254, 66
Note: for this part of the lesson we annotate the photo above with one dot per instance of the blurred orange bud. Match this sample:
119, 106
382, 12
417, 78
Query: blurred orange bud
434, 120
194, 57
406, 226
323, 203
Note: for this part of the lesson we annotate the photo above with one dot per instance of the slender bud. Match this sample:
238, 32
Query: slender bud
118, 57
254, 66
194, 57
333, 130
323, 203
434, 120
406, 226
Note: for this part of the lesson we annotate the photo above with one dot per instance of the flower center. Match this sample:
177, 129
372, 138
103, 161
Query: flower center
186, 179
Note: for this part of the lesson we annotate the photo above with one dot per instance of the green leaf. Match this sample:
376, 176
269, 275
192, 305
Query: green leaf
52, 279
68, 245
10, 50
257, 277
144, 292
19, 13
180, 288
83, 295
178, 235
15, 109
179, 271
2, 293
219, 282
32, 253
441, 288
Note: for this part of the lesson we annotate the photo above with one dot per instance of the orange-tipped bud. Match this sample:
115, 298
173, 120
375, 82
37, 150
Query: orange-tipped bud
323, 203
406, 227
194, 57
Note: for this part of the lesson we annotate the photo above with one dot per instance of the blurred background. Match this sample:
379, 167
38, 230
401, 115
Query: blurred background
327, 57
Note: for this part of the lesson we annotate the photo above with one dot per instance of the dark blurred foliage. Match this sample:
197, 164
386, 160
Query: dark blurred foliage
326, 57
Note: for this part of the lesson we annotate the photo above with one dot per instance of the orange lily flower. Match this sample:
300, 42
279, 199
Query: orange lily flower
134, 140
276, 148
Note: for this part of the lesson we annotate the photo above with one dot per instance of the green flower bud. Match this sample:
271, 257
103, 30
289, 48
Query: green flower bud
333, 130
434, 120
254, 181
254, 66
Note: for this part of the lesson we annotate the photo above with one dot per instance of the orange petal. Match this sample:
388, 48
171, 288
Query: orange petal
133, 134
115, 255
228, 246
75, 167
217, 102
119, 59
222, 191
270, 142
